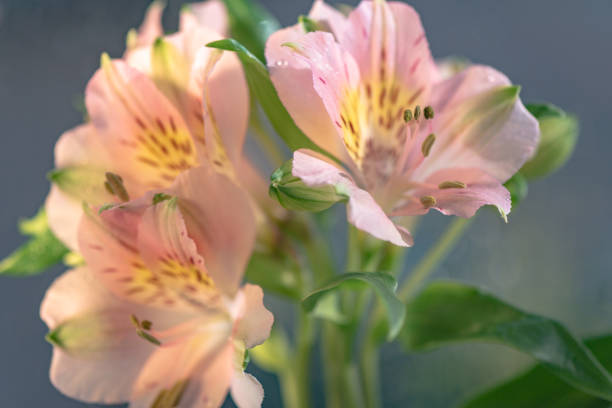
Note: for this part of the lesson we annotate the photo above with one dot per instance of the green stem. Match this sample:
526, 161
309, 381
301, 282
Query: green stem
268, 146
434, 257
305, 340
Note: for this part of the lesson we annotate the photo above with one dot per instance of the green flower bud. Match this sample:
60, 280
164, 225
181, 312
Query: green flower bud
293, 194
517, 186
558, 136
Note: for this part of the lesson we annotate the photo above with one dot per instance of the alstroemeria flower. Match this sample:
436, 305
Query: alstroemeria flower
170, 104
158, 317
348, 87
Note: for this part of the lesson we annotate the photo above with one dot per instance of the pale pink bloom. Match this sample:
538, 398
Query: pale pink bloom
347, 87
170, 104
175, 262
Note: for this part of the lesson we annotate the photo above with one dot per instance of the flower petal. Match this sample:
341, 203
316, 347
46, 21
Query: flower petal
219, 218
172, 257
64, 215
109, 244
143, 133
95, 365
246, 391
151, 27
210, 14
254, 321
363, 211
201, 365
388, 41
220, 83
480, 123
81, 163
331, 19
457, 192
293, 80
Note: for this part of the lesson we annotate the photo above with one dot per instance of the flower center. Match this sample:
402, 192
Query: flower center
374, 130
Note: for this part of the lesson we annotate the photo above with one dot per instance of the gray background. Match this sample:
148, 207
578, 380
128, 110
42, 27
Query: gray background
552, 258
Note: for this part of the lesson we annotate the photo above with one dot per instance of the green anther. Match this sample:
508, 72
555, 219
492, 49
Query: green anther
146, 324
308, 24
407, 115
135, 321
159, 197
148, 337
246, 359
451, 184
428, 201
428, 112
417, 112
114, 184
108, 188
427, 144
105, 207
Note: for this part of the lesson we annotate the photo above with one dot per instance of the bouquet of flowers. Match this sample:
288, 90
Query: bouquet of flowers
174, 235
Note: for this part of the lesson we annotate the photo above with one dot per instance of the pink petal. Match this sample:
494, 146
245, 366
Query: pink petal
293, 80
246, 391
210, 14
387, 40
204, 361
78, 146
81, 163
169, 253
254, 321
63, 215
106, 373
219, 218
480, 189
328, 17
151, 27
109, 244
220, 83
142, 132
496, 138
363, 211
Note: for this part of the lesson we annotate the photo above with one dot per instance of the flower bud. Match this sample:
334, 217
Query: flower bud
558, 136
517, 186
293, 194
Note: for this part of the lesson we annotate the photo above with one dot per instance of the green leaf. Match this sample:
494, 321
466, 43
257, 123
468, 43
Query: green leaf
251, 24
261, 86
539, 388
384, 285
449, 312
558, 137
293, 194
40, 252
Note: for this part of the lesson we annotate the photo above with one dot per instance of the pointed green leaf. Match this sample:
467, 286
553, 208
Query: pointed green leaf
539, 388
261, 86
449, 312
40, 252
251, 24
384, 285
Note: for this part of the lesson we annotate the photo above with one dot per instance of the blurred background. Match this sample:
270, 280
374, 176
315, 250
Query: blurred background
552, 258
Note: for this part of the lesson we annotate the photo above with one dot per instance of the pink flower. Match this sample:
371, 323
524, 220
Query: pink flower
348, 87
170, 264
169, 105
